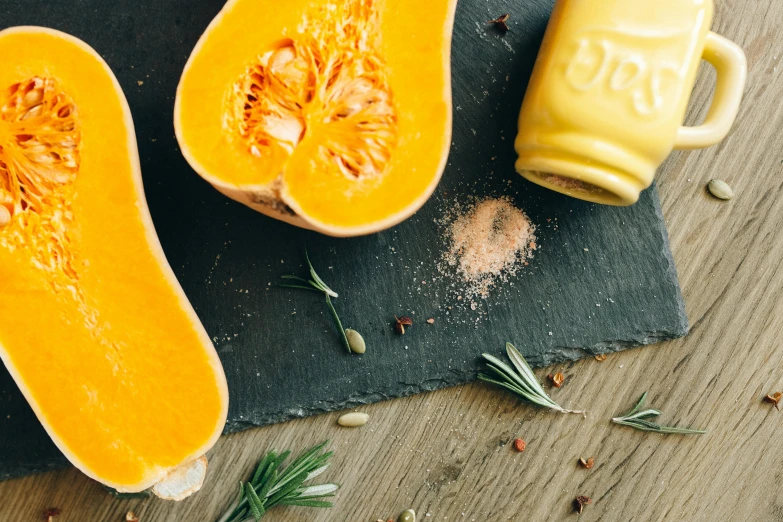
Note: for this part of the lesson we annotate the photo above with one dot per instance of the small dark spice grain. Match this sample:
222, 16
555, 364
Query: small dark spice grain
401, 322
580, 502
587, 463
520, 445
775, 399
500, 22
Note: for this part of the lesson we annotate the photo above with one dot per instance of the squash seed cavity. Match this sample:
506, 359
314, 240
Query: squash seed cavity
40, 144
328, 84
39, 160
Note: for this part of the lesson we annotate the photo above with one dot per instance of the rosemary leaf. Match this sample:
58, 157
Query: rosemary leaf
338, 323
636, 419
300, 287
322, 490
316, 284
317, 472
308, 459
256, 506
514, 389
507, 374
318, 280
300, 279
679, 431
643, 414
262, 467
307, 503
524, 368
273, 484
268, 481
638, 405
520, 380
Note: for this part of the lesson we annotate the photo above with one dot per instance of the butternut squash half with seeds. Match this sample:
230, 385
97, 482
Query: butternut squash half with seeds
333, 115
94, 327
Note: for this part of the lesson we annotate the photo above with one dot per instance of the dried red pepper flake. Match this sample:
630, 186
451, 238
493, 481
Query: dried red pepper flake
500, 22
775, 399
130, 516
601, 357
520, 445
587, 463
557, 379
401, 322
50, 513
580, 502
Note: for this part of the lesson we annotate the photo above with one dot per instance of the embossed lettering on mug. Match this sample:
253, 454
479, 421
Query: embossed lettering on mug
618, 62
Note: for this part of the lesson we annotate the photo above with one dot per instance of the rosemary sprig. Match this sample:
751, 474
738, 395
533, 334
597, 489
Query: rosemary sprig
521, 381
272, 484
637, 419
316, 284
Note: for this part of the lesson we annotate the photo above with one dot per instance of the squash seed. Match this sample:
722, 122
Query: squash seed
5, 216
353, 419
355, 339
407, 516
720, 189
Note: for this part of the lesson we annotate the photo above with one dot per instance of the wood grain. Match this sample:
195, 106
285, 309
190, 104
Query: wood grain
449, 453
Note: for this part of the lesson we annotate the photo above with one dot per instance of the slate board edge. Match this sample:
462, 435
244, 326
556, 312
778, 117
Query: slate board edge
446, 380
25, 471
683, 325
449, 379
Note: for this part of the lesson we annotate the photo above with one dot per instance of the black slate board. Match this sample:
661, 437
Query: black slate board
569, 303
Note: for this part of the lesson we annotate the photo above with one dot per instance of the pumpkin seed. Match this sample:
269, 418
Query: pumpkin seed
407, 516
720, 189
353, 419
355, 341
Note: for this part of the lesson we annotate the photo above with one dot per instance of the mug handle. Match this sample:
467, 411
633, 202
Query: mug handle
732, 68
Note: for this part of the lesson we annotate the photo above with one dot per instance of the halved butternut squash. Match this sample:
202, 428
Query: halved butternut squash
94, 327
333, 115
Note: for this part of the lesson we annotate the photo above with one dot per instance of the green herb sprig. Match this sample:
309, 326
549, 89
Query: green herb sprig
638, 419
272, 485
521, 380
316, 284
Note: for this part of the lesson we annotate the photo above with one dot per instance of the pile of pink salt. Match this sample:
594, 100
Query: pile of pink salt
487, 242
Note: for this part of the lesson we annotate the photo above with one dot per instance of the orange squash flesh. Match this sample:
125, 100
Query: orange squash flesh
348, 123
94, 327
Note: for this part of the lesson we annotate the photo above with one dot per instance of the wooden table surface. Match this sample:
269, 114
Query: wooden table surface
448, 454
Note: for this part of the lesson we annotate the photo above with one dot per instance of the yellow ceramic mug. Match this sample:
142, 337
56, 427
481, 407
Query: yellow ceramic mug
609, 90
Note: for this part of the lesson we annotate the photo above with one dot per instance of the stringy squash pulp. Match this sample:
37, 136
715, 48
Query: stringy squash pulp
331, 115
94, 327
